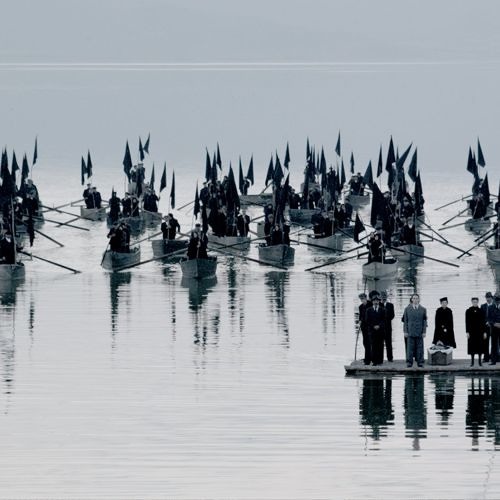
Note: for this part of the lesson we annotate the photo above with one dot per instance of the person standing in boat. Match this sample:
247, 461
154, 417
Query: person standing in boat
443, 325
134, 206
414, 329
389, 316
376, 319
96, 197
486, 308
115, 238
86, 192
114, 207
363, 326
408, 234
169, 227
376, 248
268, 226
30, 205
127, 205
125, 237
329, 225
474, 329
243, 223
478, 207
494, 320
197, 246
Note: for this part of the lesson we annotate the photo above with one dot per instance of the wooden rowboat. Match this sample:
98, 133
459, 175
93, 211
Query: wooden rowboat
333, 242
256, 199
199, 268
115, 260
303, 215
493, 255
151, 218
377, 270
93, 213
231, 243
164, 247
11, 272
408, 253
281, 255
477, 225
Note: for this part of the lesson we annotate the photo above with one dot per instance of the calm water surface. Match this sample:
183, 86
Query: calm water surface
142, 385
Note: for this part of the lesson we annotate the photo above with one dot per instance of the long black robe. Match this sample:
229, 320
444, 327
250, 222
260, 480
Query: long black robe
474, 326
444, 321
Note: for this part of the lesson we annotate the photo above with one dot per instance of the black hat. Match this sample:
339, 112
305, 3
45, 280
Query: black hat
442, 299
373, 294
488, 295
474, 298
362, 295
376, 297
497, 298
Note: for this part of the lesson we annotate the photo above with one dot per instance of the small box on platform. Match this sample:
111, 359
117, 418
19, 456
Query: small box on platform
440, 355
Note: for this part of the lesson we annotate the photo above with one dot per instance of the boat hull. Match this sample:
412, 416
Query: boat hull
493, 255
199, 268
357, 200
11, 272
333, 242
256, 199
281, 255
94, 214
302, 215
477, 225
230, 243
408, 253
151, 218
162, 248
116, 260
378, 270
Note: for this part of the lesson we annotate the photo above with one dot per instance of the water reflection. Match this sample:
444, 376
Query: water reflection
375, 405
277, 283
8, 291
415, 409
198, 290
117, 281
444, 395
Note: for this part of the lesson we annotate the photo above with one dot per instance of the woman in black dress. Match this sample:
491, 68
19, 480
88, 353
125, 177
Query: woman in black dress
474, 328
443, 325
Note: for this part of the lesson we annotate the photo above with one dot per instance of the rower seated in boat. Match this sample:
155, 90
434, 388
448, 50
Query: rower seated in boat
376, 248
197, 246
119, 238
169, 227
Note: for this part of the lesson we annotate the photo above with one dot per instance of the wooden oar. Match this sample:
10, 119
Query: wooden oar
162, 257
48, 237
50, 262
67, 222
315, 246
423, 256
481, 236
454, 225
442, 242
66, 213
336, 261
428, 226
476, 245
452, 202
65, 205
148, 237
245, 257
186, 205
58, 223
455, 216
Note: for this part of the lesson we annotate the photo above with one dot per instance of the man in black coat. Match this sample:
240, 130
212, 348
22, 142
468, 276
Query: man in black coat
486, 307
363, 326
494, 320
375, 320
389, 316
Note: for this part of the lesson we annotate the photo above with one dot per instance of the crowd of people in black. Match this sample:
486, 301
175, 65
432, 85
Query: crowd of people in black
482, 328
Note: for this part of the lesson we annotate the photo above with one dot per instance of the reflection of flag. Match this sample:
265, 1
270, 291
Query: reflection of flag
196, 209
172, 191
480, 156
83, 171
127, 162
358, 227
163, 181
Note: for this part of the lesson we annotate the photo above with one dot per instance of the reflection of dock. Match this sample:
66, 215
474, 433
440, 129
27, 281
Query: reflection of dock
458, 366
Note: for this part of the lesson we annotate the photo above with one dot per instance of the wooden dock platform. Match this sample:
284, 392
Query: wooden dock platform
457, 366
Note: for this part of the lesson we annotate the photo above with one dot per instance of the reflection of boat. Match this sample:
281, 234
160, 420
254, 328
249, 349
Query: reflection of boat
8, 290
333, 242
356, 200
281, 255
231, 243
151, 218
93, 213
408, 253
116, 281
11, 272
115, 260
164, 247
302, 214
477, 225
198, 290
256, 199
377, 270
199, 268
493, 255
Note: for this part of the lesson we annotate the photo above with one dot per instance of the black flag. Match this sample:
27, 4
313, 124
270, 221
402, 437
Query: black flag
485, 190
146, 144
352, 162
127, 162
163, 180
391, 158
25, 171
480, 156
342, 174
83, 171
378, 205
218, 161
337, 147
240, 178
380, 165
278, 171
15, 167
471, 164
412, 169
89, 165
358, 226
270, 172
368, 177
196, 209
208, 167
287, 157
152, 180
141, 150
172, 191
35, 152
250, 171
308, 150
401, 160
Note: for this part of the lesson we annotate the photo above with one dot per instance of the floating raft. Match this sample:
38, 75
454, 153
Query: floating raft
460, 366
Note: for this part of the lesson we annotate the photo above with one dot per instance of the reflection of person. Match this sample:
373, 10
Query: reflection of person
443, 325
415, 410
375, 405
415, 327
474, 328
475, 415
444, 395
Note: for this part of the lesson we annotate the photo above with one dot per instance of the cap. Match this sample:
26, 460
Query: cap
373, 293
362, 295
488, 295
475, 298
442, 299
